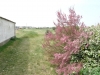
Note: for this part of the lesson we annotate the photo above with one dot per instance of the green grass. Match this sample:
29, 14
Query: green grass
25, 55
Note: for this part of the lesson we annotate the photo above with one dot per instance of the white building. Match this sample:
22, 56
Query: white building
7, 30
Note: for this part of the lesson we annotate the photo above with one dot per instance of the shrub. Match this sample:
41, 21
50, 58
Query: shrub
65, 42
94, 47
93, 71
47, 31
90, 56
53, 28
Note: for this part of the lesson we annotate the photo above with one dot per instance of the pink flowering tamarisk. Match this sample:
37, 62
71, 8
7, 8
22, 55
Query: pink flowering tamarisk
66, 41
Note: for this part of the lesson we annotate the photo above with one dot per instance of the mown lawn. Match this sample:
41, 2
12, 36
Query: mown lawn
25, 55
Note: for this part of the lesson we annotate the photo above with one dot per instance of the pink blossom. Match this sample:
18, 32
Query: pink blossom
67, 39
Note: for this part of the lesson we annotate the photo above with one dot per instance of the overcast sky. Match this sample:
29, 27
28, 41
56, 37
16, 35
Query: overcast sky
40, 13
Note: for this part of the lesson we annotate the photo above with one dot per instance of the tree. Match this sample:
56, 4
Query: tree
66, 41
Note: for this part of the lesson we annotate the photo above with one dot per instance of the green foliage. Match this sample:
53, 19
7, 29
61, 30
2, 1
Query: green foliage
47, 31
90, 55
93, 71
53, 28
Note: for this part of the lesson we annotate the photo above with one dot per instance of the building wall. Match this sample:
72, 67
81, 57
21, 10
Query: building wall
7, 29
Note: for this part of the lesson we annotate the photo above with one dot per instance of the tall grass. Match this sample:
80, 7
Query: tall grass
25, 55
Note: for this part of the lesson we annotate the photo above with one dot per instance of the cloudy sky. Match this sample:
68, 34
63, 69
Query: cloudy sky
40, 13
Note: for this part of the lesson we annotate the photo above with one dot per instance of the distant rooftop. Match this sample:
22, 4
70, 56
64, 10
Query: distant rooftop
7, 19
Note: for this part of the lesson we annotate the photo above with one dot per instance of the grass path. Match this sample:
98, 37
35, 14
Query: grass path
24, 56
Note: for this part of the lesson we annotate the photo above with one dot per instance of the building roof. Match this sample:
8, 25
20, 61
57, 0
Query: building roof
7, 19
